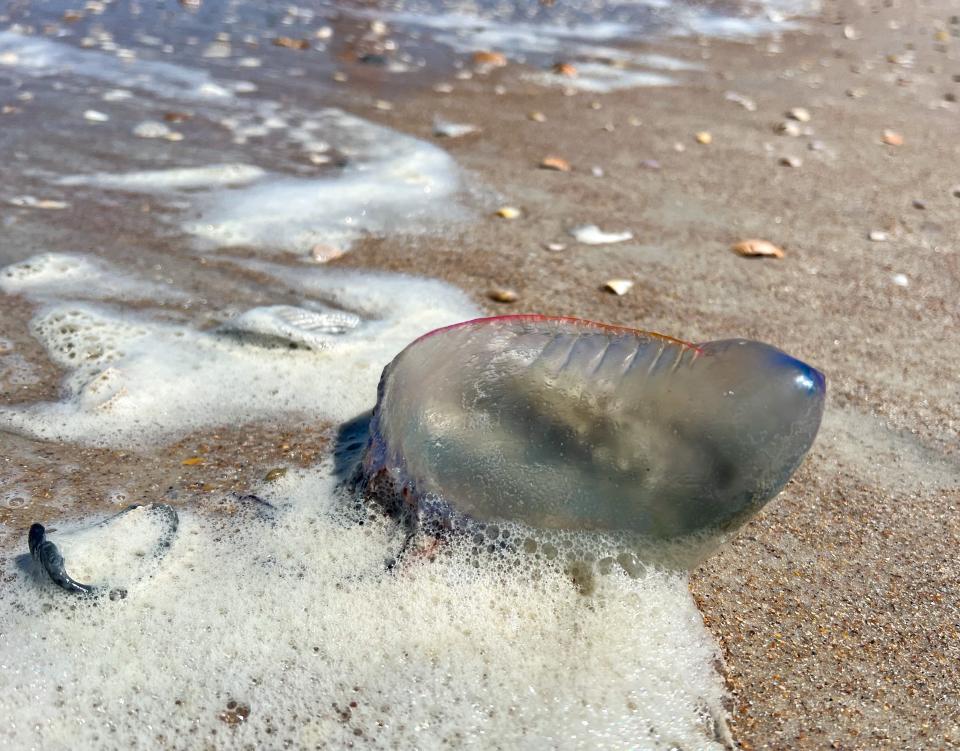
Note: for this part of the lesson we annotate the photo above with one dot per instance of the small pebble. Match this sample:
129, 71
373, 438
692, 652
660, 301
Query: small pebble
275, 474
878, 236
537, 117
901, 280
618, 286
800, 114
892, 138
791, 161
555, 247
503, 295
919, 205
291, 44
383, 105
704, 137
508, 212
565, 69
650, 164
492, 59
96, 117
596, 171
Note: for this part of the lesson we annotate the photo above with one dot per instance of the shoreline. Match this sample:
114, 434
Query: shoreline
836, 608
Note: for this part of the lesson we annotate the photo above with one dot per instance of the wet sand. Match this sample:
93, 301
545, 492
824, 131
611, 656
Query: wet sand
837, 608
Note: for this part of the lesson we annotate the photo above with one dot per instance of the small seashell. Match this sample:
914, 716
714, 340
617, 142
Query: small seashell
275, 474
758, 248
892, 138
498, 294
493, 59
95, 116
799, 114
555, 163
878, 236
322, 253
565, 69
291, 44
901, 280
618, 286
555, 247
591, 234
508, 212
704, 137
537, 117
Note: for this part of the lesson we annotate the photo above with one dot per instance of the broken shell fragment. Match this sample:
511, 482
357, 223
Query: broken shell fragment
555, 163
618, 286
446, 129
561, 423
704, 137
565, 69
591, 234
508, 212
493, 59
800, 114
758, 248
892, 138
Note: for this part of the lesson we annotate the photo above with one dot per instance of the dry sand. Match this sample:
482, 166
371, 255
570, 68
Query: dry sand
838, 608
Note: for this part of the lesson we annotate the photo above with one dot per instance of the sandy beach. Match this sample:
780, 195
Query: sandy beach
837, 609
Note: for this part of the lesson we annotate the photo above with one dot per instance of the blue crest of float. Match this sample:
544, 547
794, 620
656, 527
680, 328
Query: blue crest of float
567, 424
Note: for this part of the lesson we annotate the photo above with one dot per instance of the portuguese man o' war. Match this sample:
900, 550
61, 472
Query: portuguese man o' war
567, 424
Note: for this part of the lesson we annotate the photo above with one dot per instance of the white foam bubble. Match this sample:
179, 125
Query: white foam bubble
289, 629
77, 276
158, 181
133, 379
40, 57
391, 182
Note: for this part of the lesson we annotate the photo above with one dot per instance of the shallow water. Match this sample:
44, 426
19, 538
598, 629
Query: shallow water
176, 184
